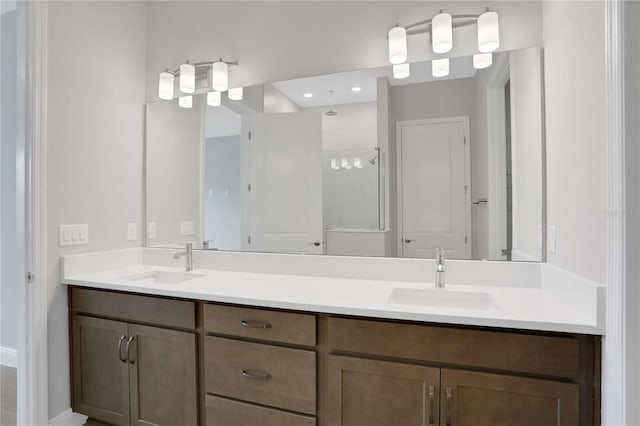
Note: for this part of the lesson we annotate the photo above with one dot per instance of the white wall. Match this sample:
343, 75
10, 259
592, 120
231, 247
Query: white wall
354, 127
95, 125
276, 101
174, 140
8, 274
275, 41
575, 121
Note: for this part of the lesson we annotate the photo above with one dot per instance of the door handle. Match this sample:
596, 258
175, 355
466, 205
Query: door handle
432, 398
449, 395
120, 348
314, 243
256, 375
407, 240
255, 324
131, 339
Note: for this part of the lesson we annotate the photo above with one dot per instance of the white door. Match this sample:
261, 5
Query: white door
433, 187
284, 210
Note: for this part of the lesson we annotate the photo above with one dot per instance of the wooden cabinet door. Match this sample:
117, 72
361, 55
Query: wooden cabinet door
100, 372
162, 374
481, 399
363, 392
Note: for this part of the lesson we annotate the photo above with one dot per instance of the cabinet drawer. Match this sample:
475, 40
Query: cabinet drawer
269, 375
225, 412
555, 356
273, 326
136, 308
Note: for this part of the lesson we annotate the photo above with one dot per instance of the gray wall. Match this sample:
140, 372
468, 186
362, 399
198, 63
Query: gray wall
222, 196
95, 127
8, 259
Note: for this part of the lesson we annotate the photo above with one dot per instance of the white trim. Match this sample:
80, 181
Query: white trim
68, 418
467, 176
8, 357
496, 146
614, 398
33, 304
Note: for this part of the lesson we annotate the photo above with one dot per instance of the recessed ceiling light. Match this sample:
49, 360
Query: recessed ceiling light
356, 89
308, 95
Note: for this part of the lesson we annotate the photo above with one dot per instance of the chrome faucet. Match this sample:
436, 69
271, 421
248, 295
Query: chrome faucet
439, 267
188, 253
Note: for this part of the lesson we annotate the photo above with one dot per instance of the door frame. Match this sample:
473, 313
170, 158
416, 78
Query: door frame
467, 178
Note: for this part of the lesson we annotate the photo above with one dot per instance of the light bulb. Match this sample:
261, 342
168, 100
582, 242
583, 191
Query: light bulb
488, 32
165, 85
442, 33
235, 94
187, 78
220, 76
344, 163
334, 164
357, 162
185, 101
482, 60
440, 67
401, 71
397, 45
213, 99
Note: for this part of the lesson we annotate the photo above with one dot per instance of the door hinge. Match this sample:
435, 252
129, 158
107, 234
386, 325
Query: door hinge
249, 135
249, 239
249, 187
466, 187
31, 277
466, 240
465, 140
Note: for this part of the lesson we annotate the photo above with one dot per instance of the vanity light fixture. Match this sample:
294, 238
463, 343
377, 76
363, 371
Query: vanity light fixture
344, 163
401, 71
165, 85
442, 33
214, 99
308, 95
440, 27
189, 74
356, 89
482, 60
185, 101
397, 45
357, 162
440, 67
235, 94
334, 164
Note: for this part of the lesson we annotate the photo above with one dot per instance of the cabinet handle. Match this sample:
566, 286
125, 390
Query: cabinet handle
432, 396
449, 393
256, 375
131, 339
255, 324
120, 348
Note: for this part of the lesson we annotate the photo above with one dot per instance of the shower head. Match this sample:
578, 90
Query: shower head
331, 112
372, 161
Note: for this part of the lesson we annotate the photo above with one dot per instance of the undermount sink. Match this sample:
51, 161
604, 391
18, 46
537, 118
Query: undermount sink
441, 298
163, 277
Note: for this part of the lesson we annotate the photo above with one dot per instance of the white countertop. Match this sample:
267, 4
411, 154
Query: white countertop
542, 308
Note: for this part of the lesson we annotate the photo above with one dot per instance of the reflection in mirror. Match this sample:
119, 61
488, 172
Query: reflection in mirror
358, 163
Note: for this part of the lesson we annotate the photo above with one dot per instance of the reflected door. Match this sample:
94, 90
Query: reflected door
433, 187
284, 173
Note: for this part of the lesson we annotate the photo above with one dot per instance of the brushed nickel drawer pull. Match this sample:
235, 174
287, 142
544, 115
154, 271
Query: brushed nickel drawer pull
256, 375
432, 395
255, 324
120, 348
449, 393
131, 339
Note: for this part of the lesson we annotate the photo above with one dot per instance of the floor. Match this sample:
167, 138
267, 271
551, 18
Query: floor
8, 395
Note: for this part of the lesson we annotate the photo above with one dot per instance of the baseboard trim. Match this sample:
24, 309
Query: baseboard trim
68, 418
8, 357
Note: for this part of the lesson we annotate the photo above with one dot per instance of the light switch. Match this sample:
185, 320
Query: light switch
73, 235
551, 239
131, 232
152, 230
187, 228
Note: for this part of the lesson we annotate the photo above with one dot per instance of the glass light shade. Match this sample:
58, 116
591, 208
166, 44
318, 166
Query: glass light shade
187, 78
401, 71
165, 86
219, 76
488, 32
442, 33
235, 94
397, 45
185, 101
214, 99
334, 164
440, 67
357, 162
344, 163
482, 60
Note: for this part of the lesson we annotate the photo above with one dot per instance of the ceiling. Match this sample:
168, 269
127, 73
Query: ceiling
341, 83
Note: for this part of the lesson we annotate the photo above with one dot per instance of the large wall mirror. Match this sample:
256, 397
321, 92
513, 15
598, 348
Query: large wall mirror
358, 163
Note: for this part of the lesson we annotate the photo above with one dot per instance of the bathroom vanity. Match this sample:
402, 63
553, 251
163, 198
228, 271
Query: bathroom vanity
154, 345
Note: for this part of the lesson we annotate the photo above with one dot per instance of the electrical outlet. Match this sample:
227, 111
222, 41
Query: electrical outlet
152, 230
132, 232
73, 235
